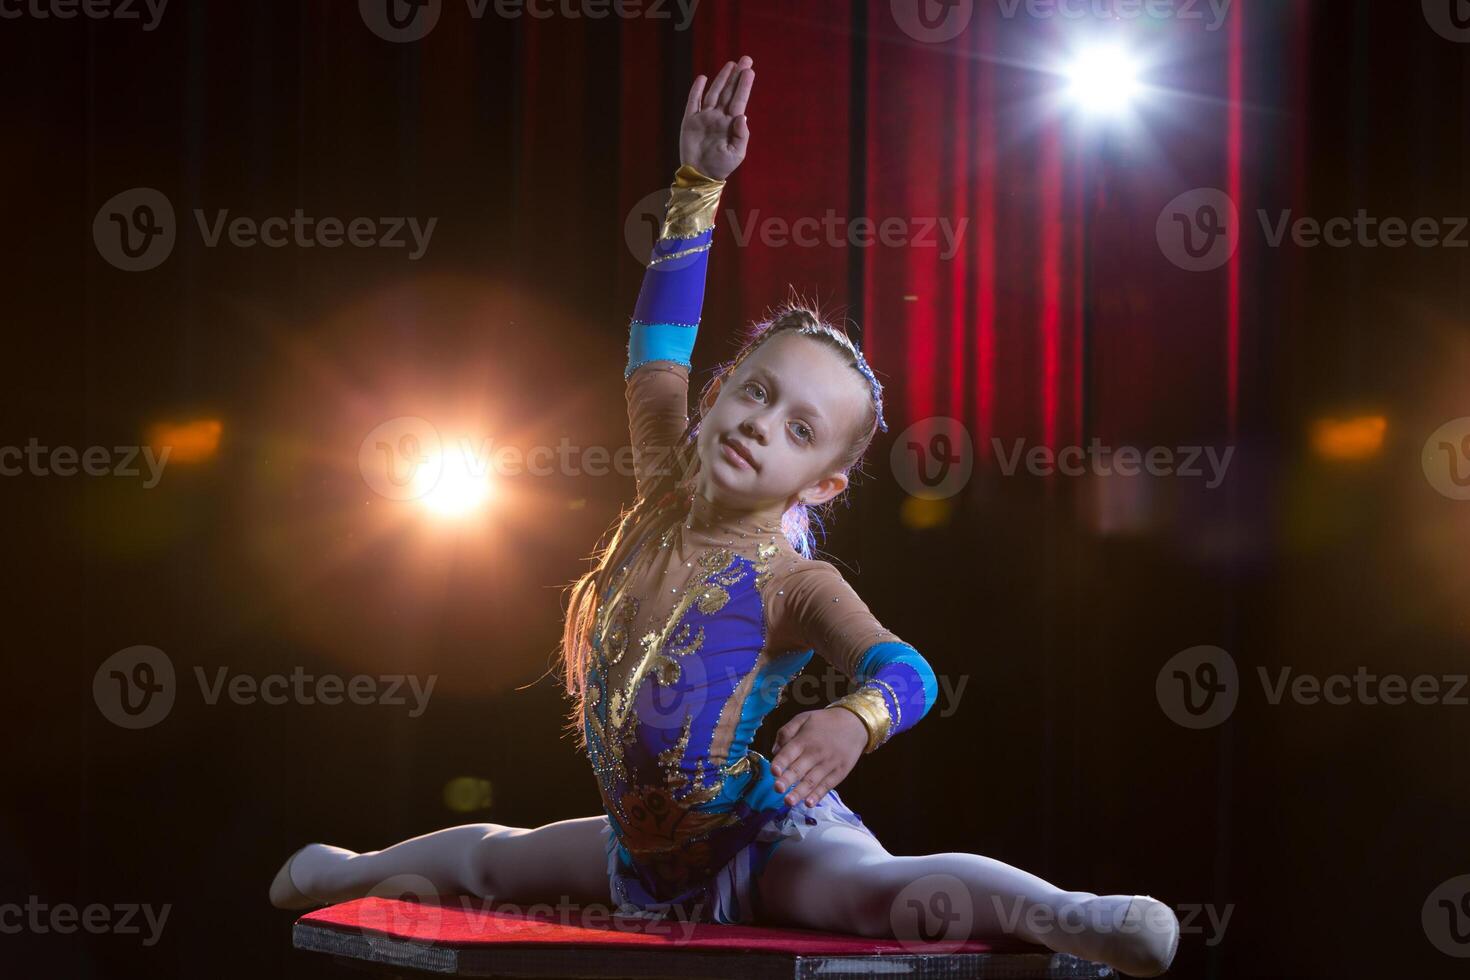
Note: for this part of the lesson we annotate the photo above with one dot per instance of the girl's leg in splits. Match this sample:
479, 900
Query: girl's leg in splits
566, 859
841, 879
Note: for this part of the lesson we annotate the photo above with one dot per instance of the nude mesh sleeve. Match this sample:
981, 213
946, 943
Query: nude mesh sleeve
658, 413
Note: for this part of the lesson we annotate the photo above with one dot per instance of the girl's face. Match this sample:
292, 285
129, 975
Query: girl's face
793, 406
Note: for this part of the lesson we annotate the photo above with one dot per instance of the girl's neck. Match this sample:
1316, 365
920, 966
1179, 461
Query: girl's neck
707, 514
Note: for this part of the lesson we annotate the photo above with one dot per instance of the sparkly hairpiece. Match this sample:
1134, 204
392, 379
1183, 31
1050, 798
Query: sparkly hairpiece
859, 361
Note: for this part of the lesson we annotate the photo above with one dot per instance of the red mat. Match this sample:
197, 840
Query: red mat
468, 921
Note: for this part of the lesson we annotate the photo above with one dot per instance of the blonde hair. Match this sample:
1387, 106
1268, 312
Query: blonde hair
658, 506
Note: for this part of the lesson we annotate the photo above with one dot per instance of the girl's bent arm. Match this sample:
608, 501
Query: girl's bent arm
897, 686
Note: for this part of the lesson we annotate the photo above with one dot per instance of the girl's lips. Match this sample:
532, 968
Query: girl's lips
734, 457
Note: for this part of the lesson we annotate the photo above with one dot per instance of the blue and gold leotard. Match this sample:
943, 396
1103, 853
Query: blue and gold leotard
703, 624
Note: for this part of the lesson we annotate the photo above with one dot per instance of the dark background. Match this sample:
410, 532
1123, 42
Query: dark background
1323, 829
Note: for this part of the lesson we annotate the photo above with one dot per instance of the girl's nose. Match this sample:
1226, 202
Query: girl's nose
753, 429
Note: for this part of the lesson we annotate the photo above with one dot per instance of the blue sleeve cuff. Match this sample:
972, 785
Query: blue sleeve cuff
905, 679
659, 342
666, 319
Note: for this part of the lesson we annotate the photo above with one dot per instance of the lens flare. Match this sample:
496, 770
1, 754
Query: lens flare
462, 488
1104, 80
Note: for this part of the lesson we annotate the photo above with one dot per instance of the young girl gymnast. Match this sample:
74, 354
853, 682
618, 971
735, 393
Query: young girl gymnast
702, 606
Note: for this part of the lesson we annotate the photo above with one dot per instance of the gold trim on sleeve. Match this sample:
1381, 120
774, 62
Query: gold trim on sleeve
868, 704
694, 200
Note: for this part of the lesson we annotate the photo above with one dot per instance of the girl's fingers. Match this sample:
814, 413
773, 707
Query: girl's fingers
712, 97
807, 787
784, 761
732, 86
696, 94
792, 774
741, 129
741, 93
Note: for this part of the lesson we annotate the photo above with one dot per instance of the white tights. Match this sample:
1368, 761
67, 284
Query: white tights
836, 878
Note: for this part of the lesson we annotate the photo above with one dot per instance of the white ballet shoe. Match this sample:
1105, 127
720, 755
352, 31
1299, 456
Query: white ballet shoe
1144, 942
284, 892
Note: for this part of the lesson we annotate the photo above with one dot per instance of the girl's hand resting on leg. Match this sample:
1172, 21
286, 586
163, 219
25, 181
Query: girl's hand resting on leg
815, 751
714, 134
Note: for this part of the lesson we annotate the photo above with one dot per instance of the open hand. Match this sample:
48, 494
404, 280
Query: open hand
715, 133
815, 751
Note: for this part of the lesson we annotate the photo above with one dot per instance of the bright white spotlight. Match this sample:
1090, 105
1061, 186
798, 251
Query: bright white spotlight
461, 488
1104, 80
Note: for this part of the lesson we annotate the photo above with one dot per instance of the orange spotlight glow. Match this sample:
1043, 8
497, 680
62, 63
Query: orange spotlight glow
187, 442
1350, 440
921, 514
463, 485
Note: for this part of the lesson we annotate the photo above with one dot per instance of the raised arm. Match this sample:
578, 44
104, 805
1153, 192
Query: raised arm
712, 142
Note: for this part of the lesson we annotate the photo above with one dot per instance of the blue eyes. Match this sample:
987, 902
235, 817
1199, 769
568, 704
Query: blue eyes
806, 431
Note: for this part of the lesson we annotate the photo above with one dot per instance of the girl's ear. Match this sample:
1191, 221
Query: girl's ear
823, 490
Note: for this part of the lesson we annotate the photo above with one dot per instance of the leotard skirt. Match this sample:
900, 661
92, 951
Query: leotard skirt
731, 896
